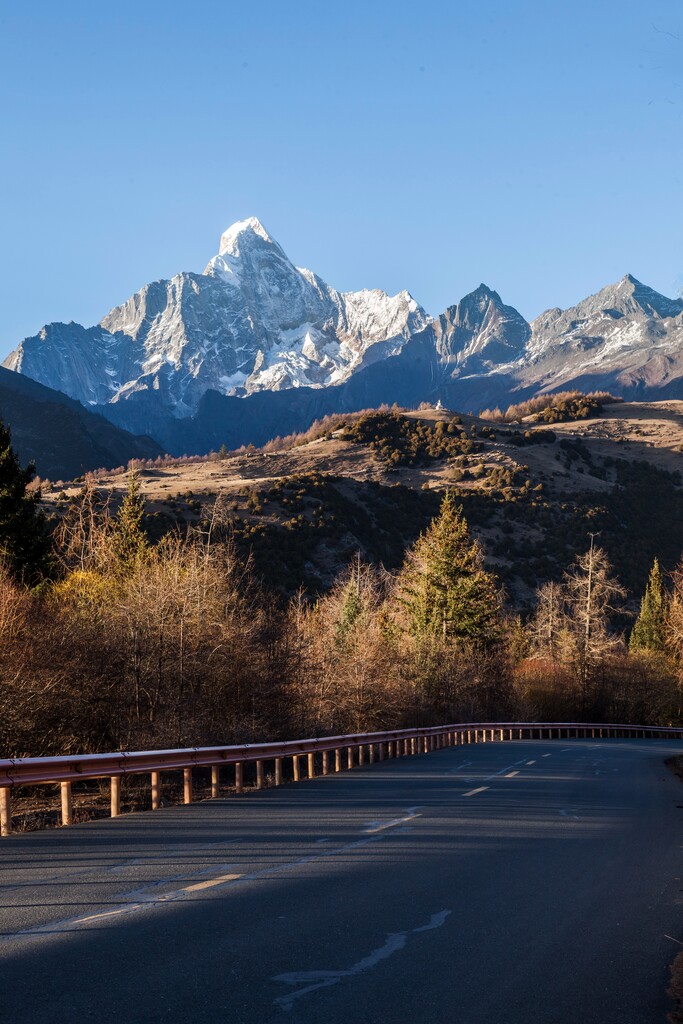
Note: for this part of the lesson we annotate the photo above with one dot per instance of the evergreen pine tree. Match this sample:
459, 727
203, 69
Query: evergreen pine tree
444, 586
649, 632
24, 543
129, 541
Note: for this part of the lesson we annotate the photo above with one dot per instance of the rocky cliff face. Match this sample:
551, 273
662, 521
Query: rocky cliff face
250, 321
480, 333
626, 337
200, 359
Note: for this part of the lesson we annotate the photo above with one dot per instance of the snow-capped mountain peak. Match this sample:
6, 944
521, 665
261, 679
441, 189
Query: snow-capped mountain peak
250, 321
242, 231
481, 332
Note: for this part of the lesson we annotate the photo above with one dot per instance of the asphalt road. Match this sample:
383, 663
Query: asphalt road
507, 883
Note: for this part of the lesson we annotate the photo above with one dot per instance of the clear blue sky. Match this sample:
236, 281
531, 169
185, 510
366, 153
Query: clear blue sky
536, 146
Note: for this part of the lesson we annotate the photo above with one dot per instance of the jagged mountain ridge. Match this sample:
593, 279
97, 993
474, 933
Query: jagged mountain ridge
254, 347
250, 321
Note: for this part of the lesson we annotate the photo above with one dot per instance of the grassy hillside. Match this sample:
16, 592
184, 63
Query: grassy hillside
532, 491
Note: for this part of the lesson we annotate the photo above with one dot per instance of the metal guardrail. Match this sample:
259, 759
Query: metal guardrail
356, 746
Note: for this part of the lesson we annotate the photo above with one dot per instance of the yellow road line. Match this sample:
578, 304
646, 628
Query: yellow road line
209, 883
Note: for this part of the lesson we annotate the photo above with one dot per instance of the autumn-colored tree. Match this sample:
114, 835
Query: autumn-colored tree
591, 593
547, 630
81, 538
346, 654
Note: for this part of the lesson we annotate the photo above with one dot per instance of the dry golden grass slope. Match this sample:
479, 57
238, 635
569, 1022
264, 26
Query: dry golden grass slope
649, 431
303, 512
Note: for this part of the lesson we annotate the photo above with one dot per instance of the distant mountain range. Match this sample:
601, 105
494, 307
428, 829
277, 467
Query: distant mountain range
254, 347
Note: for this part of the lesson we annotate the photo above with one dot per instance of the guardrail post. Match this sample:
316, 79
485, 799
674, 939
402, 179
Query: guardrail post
156, 791
5, 811
115, 795
372, 747
67, 803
